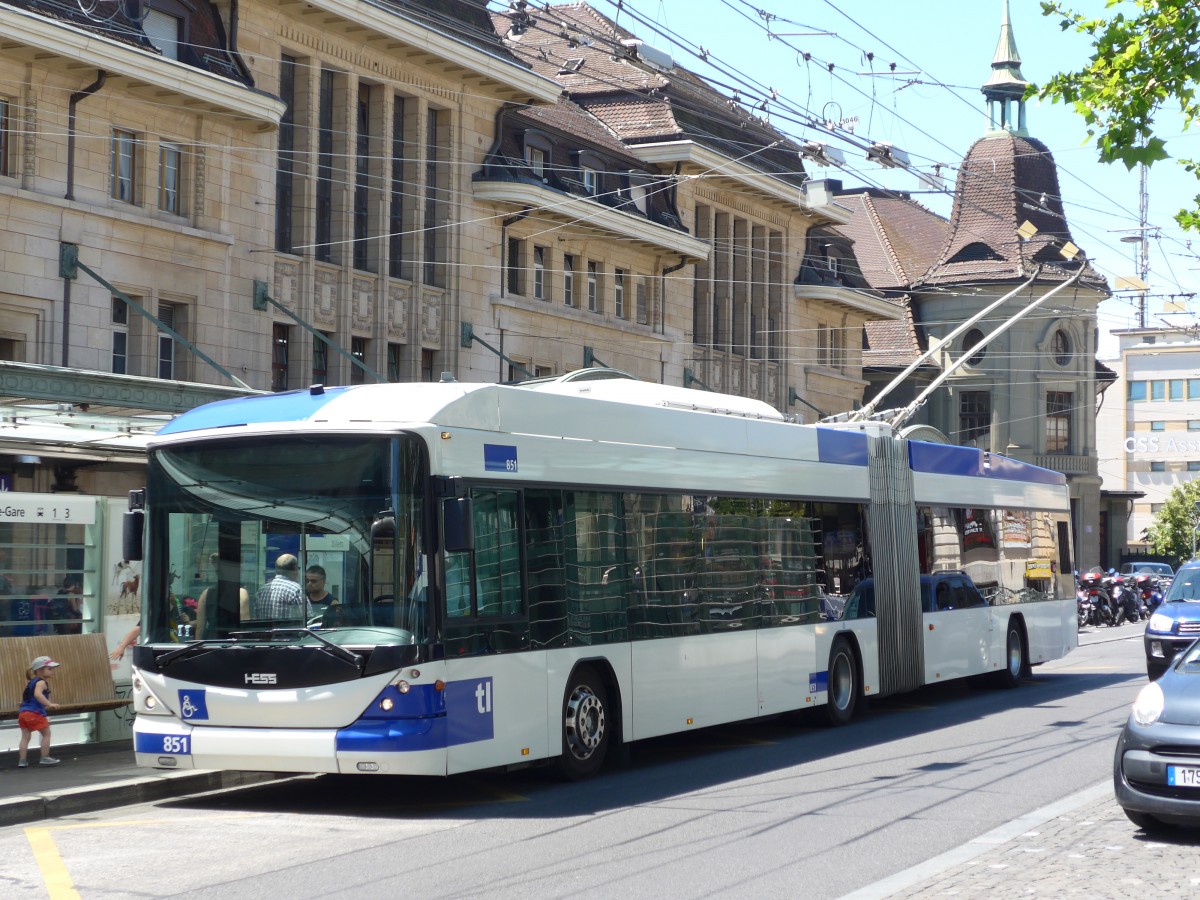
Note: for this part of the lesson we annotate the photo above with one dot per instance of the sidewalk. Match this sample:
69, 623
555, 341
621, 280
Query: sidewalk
97, 776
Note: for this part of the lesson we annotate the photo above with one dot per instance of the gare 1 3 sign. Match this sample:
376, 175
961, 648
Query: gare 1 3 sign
1146, 443
47, 509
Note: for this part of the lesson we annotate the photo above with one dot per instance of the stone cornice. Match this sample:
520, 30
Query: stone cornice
873, 307
715, 165
392, 24
588, 214
204, 91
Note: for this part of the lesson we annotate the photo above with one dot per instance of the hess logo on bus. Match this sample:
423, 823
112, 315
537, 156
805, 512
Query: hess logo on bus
261, 678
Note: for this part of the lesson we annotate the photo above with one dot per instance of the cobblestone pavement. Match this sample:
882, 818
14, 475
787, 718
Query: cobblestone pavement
1080, 847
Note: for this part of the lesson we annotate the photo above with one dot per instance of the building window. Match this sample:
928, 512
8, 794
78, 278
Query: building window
1193, 425
1137, 391
1158, 426
393, 363
280, 339
427, 362
1193, 388
593, 287
1061, 348
1158, 390
1193, 465
324, 219
120, 336
642, 305
435, 197
170, 178
285, 164
568, 280
124, 166
362, 181
1058, 421
974, 415
542, 371
320, 357
831, 348
167, 315
536, 157
539, 273
1156, 508
398, 204
974, 336
358, 350
1158, 467
6, 134
164, 31
514, 266
591, 180
1175, 389
619, 293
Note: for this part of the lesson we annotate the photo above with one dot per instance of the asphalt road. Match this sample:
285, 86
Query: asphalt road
783, 808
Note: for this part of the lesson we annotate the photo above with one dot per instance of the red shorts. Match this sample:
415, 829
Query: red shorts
31, 721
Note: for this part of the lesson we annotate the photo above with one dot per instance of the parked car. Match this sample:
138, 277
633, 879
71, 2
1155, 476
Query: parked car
1161, 571
1176, 621
1156, 769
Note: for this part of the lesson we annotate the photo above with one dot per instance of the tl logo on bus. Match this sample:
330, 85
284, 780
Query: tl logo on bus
483, 697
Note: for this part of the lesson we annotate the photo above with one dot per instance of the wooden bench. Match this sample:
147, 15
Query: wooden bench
82, 683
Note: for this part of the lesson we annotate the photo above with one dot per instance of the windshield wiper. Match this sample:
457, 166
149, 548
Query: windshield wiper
328, 646
190, 650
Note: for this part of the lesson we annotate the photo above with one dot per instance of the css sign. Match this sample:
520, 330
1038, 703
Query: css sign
1141, 444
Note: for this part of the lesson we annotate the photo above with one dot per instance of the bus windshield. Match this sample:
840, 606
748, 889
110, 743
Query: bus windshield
278, 538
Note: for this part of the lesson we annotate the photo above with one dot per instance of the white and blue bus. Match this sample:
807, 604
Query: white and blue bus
547, 570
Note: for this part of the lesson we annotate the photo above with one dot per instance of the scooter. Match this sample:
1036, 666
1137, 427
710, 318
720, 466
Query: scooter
1149, 595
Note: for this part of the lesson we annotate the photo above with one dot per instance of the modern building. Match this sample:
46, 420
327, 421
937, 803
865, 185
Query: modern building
1149, 429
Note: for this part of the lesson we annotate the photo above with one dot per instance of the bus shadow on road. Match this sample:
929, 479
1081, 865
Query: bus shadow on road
661, 768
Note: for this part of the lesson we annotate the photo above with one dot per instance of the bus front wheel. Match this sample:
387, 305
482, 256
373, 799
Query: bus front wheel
586, 729
843, 683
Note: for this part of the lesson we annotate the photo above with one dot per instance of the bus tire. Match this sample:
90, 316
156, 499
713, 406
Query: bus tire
585, 725
1014, 657
842, 696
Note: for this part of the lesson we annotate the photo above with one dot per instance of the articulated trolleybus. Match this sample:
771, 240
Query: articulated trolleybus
544, 571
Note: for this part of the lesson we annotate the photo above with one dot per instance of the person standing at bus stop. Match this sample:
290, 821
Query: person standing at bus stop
31, 716
282, 596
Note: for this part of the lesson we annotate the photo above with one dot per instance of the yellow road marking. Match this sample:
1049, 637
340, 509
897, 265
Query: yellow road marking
54, 871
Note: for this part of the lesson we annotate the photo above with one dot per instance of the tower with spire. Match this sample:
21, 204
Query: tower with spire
1006, 88
1031, 393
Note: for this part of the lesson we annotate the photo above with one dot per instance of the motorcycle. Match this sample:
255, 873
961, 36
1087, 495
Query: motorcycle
1099, 610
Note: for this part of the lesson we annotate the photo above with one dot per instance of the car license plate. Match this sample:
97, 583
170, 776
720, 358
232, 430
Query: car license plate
164, 744
1183, 776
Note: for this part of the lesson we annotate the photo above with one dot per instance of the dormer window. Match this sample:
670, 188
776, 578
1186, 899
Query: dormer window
164, 31
591, 180
537, 152
638, 190
536, 157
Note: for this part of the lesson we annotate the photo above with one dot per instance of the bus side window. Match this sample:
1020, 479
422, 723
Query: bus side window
497, 554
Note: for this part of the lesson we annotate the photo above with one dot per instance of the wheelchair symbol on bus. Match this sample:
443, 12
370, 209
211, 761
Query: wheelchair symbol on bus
193, 705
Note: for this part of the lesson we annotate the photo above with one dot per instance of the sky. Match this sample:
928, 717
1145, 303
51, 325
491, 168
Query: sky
930, 106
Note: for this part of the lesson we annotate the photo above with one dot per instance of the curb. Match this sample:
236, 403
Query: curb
33, 807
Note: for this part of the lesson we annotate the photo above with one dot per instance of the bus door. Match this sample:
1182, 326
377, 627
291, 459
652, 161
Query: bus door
495, 683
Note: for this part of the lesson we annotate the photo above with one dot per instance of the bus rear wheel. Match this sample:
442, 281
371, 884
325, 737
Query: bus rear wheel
586, 729
843, 683
1014, 658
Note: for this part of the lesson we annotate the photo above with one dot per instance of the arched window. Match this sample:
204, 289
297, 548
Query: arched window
1060, 348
